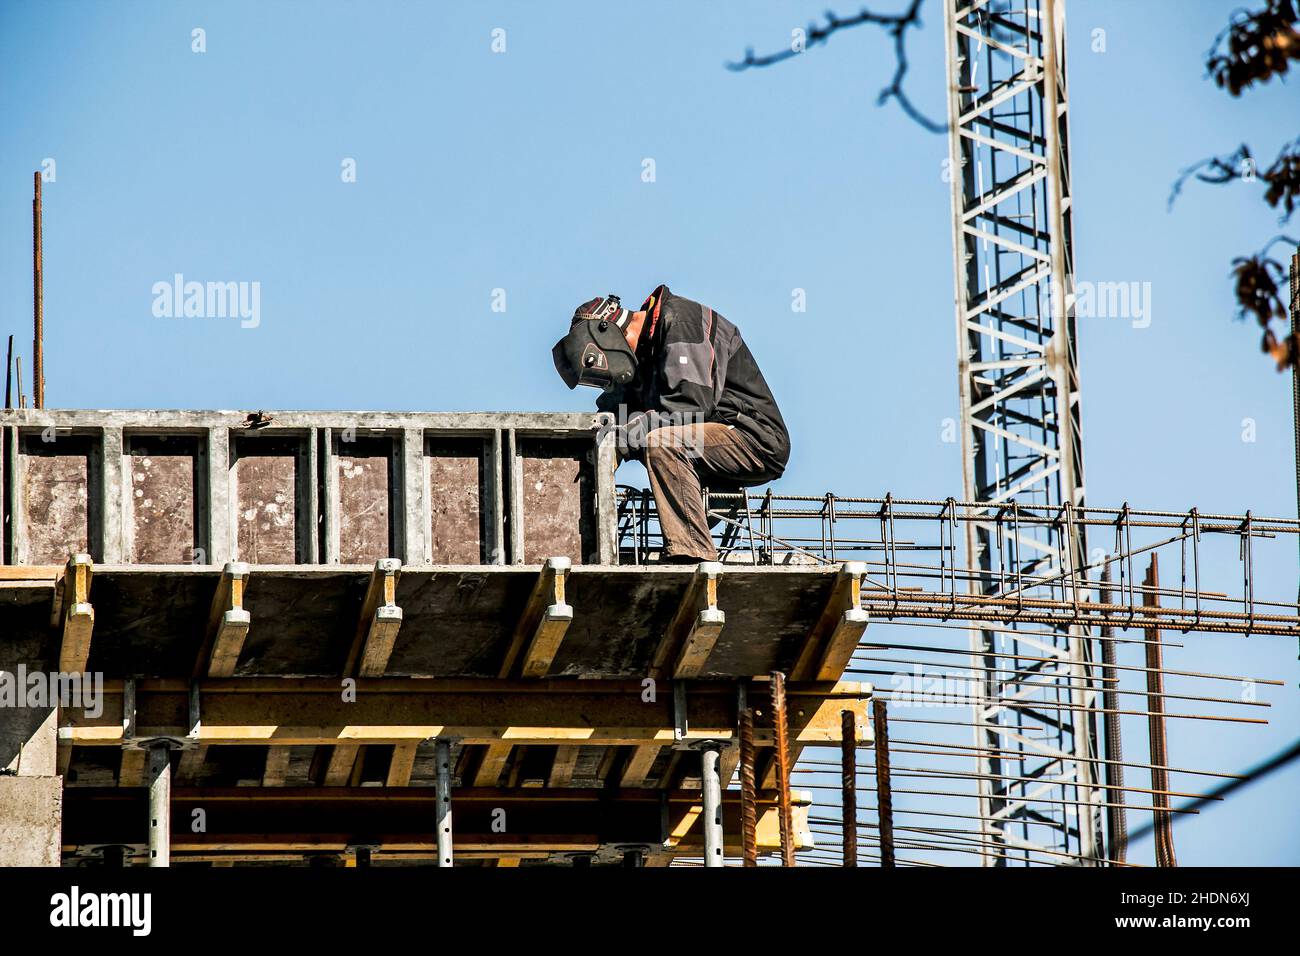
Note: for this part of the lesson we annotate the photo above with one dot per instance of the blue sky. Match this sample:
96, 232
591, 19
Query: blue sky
522, 171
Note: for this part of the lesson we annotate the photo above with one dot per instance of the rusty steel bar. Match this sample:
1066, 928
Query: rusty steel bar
782, 742
748, 790
38, 302
884, 795
1295, 378
1156, 728
1116, 819
849, 785
1205, 675
9, 374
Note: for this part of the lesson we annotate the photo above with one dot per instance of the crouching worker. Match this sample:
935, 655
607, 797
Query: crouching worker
690, 401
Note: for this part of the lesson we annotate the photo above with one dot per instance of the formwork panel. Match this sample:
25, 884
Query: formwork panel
265, 473
556, 492
58, 498
163, 498
457, 495
366, 472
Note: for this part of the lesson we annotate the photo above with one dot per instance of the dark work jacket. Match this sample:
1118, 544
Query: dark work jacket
696, 367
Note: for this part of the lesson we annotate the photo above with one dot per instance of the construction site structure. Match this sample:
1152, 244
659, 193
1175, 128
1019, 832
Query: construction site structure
321, 632
324, 636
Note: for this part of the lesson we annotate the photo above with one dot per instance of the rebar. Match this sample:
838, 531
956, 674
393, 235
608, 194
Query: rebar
1159, 743
884, 797
849, 783
782, 757
748, 790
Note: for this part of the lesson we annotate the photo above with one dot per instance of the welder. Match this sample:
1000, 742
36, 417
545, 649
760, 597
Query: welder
689, 401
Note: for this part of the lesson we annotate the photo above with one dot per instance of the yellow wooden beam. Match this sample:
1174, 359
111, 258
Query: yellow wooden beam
831, 642
342, 759
379, 623
565, 763
131, 770
543, 624
637, 770
227, 624
310, 711
276, 770
686, 645
399, 769
77, 615
494, 762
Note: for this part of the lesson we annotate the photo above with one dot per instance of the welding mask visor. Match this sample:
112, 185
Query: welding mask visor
595, 353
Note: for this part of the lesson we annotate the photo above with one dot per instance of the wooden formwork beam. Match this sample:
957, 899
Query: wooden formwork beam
378, 624
401, 765
501, 713
832, 640
542, 625
227, 626
283, 820
686, 645
75, 614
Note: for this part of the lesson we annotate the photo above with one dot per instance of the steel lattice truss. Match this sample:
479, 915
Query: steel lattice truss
1018, 381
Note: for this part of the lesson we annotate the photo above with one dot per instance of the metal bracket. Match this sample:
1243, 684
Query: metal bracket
133, 740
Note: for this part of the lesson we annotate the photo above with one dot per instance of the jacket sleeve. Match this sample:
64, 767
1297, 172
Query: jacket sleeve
686, 377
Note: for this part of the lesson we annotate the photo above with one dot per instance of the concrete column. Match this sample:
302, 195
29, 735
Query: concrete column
113, 499
606, 454
219, 544
415, 500
31, 800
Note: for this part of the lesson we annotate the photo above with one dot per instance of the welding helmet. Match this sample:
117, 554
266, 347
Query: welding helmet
596, 352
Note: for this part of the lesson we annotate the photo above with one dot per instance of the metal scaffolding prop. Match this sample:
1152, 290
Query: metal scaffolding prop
1018, 366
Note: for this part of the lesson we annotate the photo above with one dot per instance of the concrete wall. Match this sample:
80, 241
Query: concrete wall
31, 814
181, 487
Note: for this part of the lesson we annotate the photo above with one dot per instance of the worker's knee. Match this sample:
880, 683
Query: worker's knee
667, 443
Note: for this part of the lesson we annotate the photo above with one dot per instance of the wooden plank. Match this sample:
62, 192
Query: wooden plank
685, 647
130, 772
297, 819
31, 572
379, 622
78, 617
191, 760
637, 770
399, 769
493, 763
277, 766
566, 761
310, 711
228, 624
835, 635
542, 625
342, 759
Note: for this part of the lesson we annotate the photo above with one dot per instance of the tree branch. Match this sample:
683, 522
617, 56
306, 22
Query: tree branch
1258, 45
1259, 281
895, 24
1282, 178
